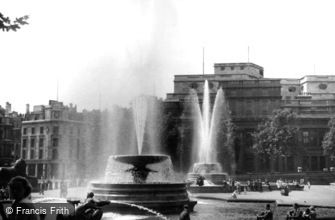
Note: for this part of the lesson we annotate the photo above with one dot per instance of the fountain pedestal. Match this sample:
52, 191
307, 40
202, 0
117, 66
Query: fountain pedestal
211, 172
165, 197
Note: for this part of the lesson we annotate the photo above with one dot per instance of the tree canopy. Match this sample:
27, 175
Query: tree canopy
328, 143
6, 24
277, 135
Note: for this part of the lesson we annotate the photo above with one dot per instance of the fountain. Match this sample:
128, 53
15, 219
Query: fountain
208, 124
145, 180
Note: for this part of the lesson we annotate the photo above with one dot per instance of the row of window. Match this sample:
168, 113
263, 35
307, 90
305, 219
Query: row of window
33, 156
40, 142
222, 68
55, 130
249, 113
6, 134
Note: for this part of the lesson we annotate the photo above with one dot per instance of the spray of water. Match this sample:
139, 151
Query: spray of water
207, 123
215, 125
140, 109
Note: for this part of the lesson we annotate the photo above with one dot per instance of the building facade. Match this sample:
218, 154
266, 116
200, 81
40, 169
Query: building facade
53, 141
10, 135
252, 98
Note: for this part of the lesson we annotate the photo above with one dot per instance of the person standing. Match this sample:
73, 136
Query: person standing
185, 214
42, 186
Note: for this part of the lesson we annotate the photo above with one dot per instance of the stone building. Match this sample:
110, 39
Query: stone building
10, 135
252, 98
312, 97
53, 141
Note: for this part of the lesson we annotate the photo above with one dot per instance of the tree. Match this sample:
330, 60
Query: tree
6, 24
226, 154
277, 135
328, 143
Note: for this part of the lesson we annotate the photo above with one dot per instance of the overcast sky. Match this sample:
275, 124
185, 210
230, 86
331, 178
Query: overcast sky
122, 48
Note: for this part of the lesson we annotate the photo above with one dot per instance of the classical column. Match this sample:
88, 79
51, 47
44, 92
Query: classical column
318, 163
36, 170
280, 164
256, 162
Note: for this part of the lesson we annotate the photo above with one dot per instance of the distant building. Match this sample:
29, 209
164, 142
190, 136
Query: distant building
53, 141
312, 97
251, 99
10, 135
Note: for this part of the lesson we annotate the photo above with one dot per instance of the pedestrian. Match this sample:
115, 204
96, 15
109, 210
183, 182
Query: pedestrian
234, 194
267, 214
200, 180
260, 185
41, 186
63, 189
253, 185
185, 214
248, 185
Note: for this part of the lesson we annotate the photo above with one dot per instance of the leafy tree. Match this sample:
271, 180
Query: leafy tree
277, 135
6, 24
328, 143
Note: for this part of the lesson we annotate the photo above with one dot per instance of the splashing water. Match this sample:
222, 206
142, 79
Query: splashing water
62, 200
157, 214
139, 108
49, 200
207, 123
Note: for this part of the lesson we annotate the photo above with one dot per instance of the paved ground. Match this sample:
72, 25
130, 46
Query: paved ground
214, 206
317, 195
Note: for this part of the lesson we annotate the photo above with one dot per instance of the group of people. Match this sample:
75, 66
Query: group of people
297, 214
43, 185
294, 183
255, 185
293, 214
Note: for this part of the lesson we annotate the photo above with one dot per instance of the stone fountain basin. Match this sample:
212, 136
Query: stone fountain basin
161, 197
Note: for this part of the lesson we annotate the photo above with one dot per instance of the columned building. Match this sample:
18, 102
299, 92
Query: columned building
312, 97
252, 98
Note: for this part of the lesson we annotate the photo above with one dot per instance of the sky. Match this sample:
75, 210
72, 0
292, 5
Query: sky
119, 49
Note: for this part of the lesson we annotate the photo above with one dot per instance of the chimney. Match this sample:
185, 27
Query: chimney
8, 108
27, 109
